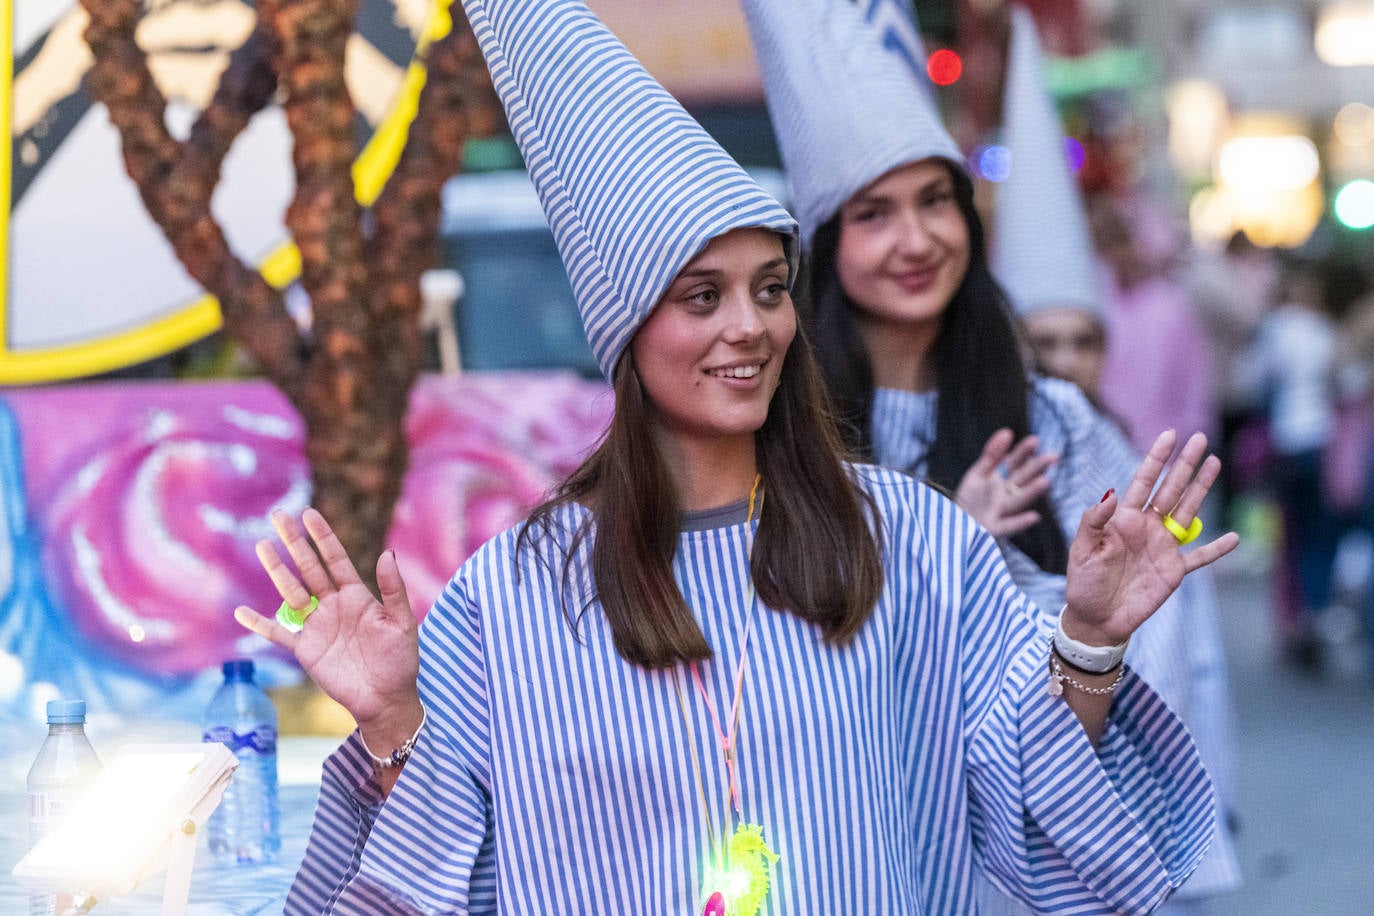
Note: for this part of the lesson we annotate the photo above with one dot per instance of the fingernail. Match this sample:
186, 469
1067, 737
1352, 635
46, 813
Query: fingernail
1108, 495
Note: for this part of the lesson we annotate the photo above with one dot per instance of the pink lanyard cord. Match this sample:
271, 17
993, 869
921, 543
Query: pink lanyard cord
727, 742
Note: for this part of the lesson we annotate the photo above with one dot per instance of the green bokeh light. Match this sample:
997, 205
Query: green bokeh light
1355, 204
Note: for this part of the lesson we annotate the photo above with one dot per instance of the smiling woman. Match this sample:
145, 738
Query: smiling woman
711, 354
719, 667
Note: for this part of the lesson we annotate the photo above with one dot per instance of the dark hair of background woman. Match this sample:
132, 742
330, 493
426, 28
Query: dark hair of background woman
816, 553
981, 380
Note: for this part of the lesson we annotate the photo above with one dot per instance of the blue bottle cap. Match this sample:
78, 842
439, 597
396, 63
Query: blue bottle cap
66, 712
238, 669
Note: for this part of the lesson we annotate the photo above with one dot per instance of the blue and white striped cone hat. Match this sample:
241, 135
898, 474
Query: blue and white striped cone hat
633, 188
845, 110
899, 30
1041, 249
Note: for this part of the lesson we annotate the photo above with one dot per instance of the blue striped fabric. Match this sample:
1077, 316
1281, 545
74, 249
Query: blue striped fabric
1178, 651
633, 188
890, 773
845, 111
1041, 249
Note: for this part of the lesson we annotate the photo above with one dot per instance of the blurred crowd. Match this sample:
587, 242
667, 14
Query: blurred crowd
1271, 352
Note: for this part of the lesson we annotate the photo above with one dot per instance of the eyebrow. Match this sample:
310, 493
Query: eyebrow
873, 197
711, 272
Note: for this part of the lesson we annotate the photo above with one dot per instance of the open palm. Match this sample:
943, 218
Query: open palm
1123, 562
362, 652
1002, 504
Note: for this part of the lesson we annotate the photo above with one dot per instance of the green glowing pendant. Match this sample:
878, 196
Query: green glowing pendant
739, 888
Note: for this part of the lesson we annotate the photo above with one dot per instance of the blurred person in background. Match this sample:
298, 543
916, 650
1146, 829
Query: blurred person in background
920, 348
1041, 248
1232, 288
1158, 369
1292, 362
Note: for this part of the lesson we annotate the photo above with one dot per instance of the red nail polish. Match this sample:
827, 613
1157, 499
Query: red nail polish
1108, 495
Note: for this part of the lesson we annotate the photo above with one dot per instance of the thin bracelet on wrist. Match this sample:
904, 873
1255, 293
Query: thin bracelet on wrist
1059, 677
400, 755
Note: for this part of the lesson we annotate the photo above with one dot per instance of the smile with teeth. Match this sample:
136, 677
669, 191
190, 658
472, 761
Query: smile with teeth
748, 371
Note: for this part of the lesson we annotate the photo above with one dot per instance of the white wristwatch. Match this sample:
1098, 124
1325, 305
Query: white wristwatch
1093, 659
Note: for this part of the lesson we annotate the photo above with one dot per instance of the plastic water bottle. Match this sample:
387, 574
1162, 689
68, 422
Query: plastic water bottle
245, 827
65, 766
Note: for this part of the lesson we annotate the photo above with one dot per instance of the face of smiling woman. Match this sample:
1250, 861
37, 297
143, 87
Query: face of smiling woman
710, 354
903, 246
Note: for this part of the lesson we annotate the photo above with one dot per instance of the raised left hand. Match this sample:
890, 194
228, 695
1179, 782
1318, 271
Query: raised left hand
1123, 562
1002, 504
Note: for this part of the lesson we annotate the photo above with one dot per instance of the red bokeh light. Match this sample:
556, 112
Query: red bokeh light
944, 67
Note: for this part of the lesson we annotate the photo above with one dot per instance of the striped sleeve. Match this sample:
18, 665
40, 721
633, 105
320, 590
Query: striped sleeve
348, 805
1178, 651
430, 847
1056, 824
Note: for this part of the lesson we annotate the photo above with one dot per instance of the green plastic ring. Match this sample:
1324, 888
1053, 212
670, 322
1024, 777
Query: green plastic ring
294, 619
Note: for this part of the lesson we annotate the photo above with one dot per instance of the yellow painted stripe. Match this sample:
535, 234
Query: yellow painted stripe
147, 342
6, 151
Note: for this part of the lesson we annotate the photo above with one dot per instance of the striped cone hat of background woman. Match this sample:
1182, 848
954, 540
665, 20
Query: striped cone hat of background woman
633, 188
845, 110
1041, 249
899, 30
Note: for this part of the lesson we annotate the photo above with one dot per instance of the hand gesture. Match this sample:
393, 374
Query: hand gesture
1002, 504
362, 652
1124, 562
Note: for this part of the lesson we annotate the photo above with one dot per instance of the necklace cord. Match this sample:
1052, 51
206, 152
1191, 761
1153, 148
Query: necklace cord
696, 765
728, 741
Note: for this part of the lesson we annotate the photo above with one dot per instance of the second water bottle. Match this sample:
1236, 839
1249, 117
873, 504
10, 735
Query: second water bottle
245, 827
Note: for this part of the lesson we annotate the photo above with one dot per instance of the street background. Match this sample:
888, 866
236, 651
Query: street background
1304, 755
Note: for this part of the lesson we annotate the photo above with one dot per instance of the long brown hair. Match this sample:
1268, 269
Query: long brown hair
816, 554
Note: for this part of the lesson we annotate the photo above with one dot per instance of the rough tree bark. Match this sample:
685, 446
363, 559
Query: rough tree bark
351, 377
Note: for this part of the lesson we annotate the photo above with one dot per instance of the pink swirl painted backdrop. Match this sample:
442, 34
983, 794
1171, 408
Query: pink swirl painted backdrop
149, 497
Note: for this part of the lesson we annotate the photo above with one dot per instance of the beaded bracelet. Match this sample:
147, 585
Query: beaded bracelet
402, 753
1058, 677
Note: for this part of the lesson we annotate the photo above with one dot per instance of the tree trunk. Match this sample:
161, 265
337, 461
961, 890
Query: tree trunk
350, 379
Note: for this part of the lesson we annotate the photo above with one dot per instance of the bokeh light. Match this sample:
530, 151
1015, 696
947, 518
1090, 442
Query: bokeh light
1283, 163
1354, 124
1076, 154
1344, 36
994, 163
944, 67
1355, 204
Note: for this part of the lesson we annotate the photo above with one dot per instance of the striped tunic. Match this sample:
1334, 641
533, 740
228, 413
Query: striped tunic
554, 777
1178, 651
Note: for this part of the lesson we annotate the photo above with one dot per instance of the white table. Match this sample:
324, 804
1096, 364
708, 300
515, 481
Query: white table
216, 890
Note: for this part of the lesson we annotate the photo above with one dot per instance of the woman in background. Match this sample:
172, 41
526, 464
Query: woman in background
919, 346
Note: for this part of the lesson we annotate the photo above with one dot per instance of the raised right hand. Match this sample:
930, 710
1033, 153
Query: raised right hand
362, 652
